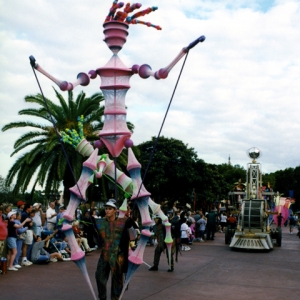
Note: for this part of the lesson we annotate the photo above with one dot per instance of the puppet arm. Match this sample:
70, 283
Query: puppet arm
82, 78
145, 71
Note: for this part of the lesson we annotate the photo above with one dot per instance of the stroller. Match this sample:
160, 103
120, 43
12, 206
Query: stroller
65, 255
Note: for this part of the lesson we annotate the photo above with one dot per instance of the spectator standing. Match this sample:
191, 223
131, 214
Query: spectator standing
20, 205
191, 232
202, 225
33, 224
38, 218
197, 217
20, 232
56, 205
189, 217
175, 218
175, 209
51, 216
29, 234
223, 221
3, 233
12, 240
6, 210
185, 235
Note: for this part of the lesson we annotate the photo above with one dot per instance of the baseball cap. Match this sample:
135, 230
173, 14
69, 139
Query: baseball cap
19, 203
35, 204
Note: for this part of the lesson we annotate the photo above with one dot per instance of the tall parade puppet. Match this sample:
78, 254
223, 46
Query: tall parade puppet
115, 136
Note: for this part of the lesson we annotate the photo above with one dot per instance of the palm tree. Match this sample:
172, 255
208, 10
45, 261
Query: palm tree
46, 159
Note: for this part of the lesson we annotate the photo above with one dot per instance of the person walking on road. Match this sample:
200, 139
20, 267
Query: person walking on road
114, 244
211, 224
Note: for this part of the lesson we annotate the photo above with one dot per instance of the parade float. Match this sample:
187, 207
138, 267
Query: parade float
259, 224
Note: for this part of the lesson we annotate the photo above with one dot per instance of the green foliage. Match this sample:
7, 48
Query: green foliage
176, 171
172, 170
6, 196
45, 160
269, 178
285, 180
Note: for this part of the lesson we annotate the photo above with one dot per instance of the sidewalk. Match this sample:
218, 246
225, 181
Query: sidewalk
211, 270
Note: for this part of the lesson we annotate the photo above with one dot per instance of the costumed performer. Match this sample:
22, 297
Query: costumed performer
114, 244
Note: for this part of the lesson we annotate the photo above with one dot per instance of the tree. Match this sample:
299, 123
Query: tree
176, 173
46, 158
6, 196
172, 170
297, 187
285, 181
231, 175
269, 178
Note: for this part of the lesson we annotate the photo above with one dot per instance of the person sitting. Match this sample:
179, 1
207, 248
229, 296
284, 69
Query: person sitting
63, 246
40, 255
80, 237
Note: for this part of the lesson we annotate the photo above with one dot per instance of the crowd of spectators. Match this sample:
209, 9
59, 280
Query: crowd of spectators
29, 235
195, 226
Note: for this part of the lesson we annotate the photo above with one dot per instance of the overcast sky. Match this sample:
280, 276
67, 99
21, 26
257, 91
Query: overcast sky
239, 89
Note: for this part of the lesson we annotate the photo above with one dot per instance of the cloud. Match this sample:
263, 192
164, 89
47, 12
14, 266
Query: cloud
237, 90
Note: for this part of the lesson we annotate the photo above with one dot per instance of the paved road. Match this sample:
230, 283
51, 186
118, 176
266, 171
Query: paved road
211, 270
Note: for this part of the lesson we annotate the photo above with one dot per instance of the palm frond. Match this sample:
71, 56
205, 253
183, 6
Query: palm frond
22, 124
30, 136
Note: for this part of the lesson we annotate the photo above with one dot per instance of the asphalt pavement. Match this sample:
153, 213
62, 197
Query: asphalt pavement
210, 270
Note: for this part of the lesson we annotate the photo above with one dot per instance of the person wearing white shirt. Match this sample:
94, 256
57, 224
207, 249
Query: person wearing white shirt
51, 216
38, 218
223, 221
184, 235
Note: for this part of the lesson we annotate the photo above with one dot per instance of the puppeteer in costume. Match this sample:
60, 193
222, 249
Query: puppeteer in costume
160, 234
114, 241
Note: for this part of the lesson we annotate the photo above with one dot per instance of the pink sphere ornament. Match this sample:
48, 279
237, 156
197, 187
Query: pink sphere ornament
98, 144
128, 143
